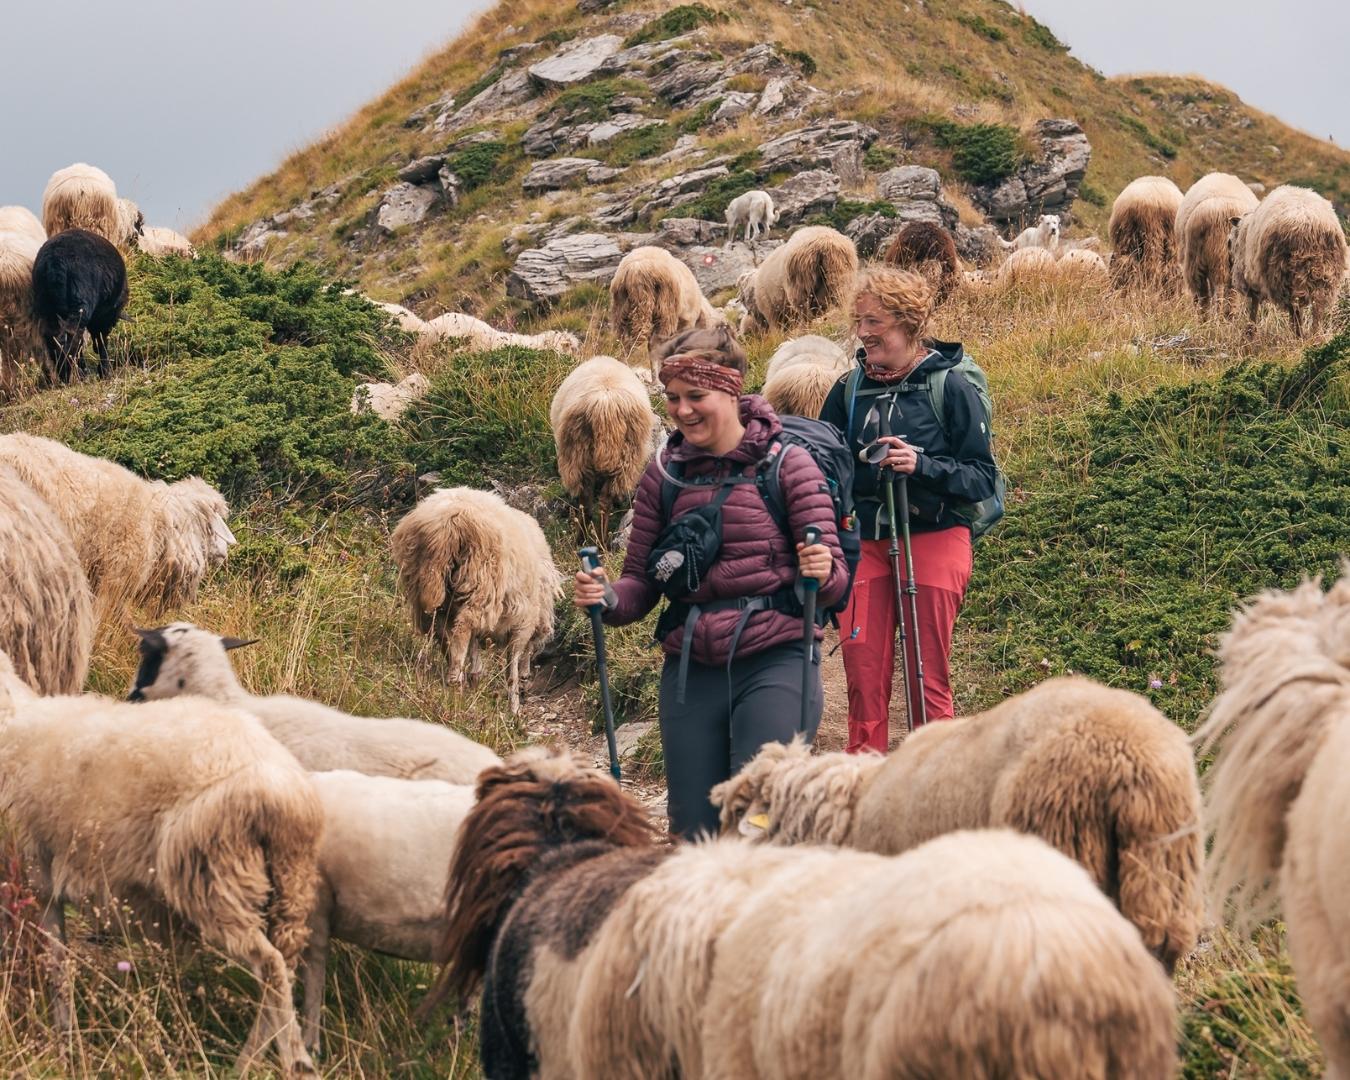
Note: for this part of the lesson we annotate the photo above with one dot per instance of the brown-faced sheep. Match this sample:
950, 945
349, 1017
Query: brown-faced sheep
180, 806
1276, 800
602, 424
472, 569
1203, 222
1143, 233
601, 955
929, 249
20, 338
46, 608
1290, 251
806, 277
83, 196
801, 373
141, 542
1097, 772
654, 296
1026, 266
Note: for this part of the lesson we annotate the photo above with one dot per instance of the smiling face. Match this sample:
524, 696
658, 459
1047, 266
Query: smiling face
886, 342
708, 419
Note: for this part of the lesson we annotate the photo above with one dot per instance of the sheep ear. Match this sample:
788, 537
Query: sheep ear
237, 643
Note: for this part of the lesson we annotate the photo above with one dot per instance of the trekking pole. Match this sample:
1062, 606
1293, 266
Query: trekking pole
590, 564
810, 587
894, 553
912, 591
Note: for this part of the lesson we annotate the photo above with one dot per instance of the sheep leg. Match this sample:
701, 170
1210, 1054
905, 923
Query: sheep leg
513, 675
475, 661
99, 339
314, 970
276, 1012
1296, 319
53, 923
456, 644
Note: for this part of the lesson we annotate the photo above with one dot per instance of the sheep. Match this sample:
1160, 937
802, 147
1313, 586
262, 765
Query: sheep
1143, 233
484, 337
83, 196
1275, 798
1027, 265
141, 542
408, 320
219, 828
1290, 251
755, 211
1081, 243
1082, 264
389, 401
804, 278
929, 249
185, 659
19, 335
1044, 234
1202, 224
801, 373
79, 284
602, 955
158, 241
473, 568
1097, 772
602, 423
654, 296
387, 845
46, 609
131, 224
19, 219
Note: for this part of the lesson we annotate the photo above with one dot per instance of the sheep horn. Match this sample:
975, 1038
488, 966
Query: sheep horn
237, 643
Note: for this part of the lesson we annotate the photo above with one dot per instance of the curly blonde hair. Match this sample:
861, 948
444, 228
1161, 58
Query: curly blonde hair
904, 294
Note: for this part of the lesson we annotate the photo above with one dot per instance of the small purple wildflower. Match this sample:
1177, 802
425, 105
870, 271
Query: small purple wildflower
1155, 684
124, 966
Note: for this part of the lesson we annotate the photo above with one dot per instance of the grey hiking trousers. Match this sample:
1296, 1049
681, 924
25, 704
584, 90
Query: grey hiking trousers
727, 715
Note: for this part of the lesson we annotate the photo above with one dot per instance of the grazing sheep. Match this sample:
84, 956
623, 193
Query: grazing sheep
1026, 266
654, 296
801, 373
1044, 234
484, 337
387, 845
185, 659
220, 828
19, 219
804, 278
141, 542
1082, 264
130, 224
79, 284
158, 241
408, 320
1290, 251
1203, 222
83, 196
602, 423
1082, 243
389, 401
1143, 233
1276, 798
473, 568
601, 955
1096, 772
754, 210
46, 609
930, 250
19, 335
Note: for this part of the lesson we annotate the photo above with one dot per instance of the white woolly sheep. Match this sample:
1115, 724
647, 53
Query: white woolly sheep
732, 962
387, 845
220, 829
141, 542
653, 296
1080, 243
482, 336
389, 401
185, 659
602, 423
83, 196
1290, 251
1027, 265
1276, 801
1143, 233
472, 569
19, 219
801, 373
407, 320
130, 223
1082, 264
1203, 222
1044, 234
20, 338
46, 609
804, 278
1097, 772
158, 241
754, 210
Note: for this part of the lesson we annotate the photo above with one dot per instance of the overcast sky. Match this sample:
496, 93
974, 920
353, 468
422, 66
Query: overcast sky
1286, 57
184, 101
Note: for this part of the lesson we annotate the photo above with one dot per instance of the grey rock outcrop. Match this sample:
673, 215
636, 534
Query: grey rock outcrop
871, 233
717, 268
422, 169
836, 145
512, 89
687, 232
734, 103
1047, 185
916, 194
405, 204
550, 135
544, 274
575, 62
674, 191
807, 193
562, 172
979, 246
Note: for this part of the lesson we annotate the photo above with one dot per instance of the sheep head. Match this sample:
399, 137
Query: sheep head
193, 538
184, 659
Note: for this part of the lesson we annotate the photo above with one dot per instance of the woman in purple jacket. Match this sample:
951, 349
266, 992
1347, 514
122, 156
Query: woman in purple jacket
734, 650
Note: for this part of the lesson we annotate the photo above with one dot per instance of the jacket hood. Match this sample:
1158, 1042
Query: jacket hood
761, 426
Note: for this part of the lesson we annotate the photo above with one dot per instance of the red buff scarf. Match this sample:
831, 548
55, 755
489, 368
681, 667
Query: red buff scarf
703, 371
888, 375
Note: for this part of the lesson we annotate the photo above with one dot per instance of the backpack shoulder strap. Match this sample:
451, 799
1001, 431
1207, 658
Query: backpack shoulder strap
937, 398
669, 491
769, 481
851, 398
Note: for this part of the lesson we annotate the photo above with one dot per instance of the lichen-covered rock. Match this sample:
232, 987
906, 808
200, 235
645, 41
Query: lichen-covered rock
836, 145
544, 274
562, 172
907, 182
717, 268
871, 233
807, 193
575, 62
686, 232
405, 204
734, 103
422, 170
512, 89
1046, 185
625, 207
979, 246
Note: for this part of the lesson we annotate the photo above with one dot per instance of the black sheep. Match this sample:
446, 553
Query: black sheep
79, 284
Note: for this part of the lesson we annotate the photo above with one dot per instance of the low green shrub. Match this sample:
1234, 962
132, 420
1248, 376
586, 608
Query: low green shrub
981, 153
476, 164
678, 20
979, 25
712, 204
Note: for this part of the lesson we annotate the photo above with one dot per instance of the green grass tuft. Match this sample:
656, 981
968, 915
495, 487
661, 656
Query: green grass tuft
678, 20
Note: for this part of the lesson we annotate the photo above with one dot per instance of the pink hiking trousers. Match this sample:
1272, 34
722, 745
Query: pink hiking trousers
942, 563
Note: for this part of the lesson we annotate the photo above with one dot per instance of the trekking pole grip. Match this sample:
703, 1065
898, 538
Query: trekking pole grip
811, 535
590, 564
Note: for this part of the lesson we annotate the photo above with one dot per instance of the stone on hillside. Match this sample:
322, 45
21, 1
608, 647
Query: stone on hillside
514, 52
837, 145
871, 233
575, 62
734, 103
979, 246
1047, 185
762, 59
544, 274
405, 204
451, 185
643, 57
549, 136
561, 172
511, 89
685, 146
685, 232
807, 193
605, 130
691, 80
588, 6
422, 170
908, 182
717, 268
254, 240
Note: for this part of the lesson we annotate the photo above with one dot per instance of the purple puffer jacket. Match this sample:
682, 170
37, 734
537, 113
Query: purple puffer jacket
756, 559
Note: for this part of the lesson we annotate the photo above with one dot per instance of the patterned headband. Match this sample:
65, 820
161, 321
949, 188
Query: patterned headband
701, 370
